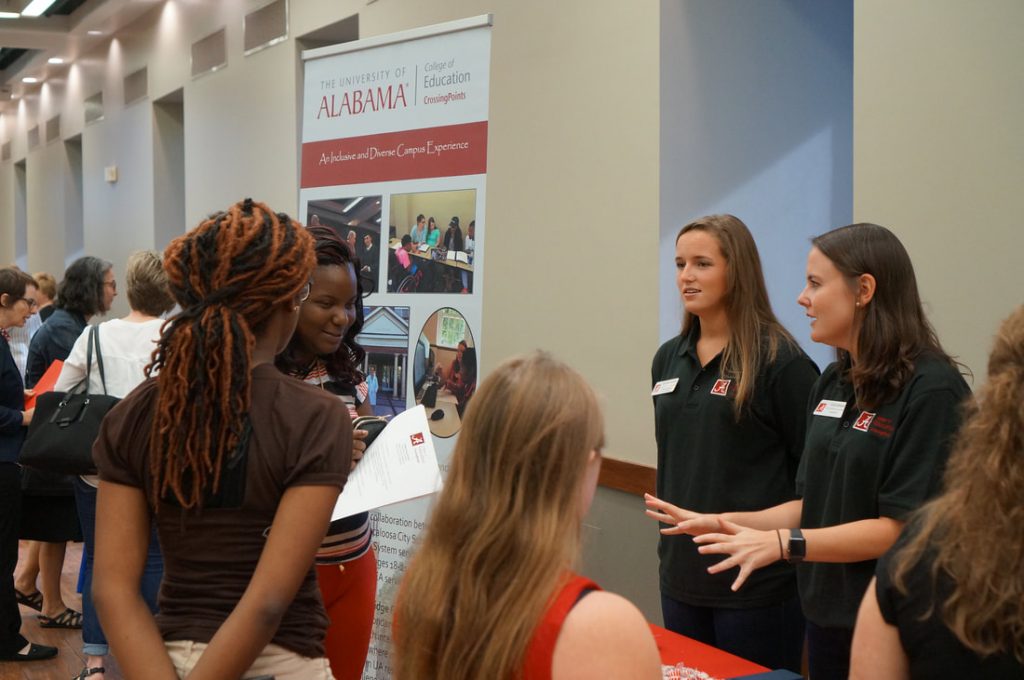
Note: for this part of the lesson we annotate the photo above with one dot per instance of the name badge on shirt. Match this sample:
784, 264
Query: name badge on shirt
830, 409
664, 386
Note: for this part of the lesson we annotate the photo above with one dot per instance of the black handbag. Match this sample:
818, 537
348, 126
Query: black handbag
66, 424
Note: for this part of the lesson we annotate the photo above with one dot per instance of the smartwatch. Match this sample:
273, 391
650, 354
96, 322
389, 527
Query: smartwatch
797, 547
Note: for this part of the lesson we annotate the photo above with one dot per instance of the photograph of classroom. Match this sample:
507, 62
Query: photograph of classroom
433, 242
356, 219
445, 370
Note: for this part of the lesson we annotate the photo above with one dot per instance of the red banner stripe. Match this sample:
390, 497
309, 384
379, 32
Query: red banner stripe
446, 151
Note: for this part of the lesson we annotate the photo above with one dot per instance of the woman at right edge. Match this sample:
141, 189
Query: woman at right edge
880, 424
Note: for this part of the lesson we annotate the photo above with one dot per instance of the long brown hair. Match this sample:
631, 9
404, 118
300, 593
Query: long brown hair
505, 529
975, 529
892, 330
229, 275
755, 335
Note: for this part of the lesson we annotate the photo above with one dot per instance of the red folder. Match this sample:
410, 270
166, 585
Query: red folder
45, 383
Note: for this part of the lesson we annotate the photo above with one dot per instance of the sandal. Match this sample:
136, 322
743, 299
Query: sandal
33, 601
68, 619
86, 672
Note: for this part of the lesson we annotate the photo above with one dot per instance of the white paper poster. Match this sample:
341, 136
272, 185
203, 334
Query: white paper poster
394, 158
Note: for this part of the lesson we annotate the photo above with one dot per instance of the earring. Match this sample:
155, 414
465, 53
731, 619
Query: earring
857, 304
298, 307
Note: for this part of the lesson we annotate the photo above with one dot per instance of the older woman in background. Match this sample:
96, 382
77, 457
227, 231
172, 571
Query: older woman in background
126, 347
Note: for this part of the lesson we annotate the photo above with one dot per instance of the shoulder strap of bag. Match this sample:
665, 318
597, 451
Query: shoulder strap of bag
99, 356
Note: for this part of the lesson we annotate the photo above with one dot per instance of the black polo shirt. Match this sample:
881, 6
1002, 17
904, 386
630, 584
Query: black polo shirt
865, 465
709, 462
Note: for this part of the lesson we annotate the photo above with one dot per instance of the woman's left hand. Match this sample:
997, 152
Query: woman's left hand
748, 549
358, 446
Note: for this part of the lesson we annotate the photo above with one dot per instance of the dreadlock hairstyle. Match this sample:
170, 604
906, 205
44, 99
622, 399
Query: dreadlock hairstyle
344, 364
228, 275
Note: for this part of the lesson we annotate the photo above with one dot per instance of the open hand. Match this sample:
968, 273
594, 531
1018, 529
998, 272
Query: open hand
748, 549
682, 521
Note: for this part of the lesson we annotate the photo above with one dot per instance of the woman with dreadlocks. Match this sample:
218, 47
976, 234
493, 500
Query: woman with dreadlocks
239, 464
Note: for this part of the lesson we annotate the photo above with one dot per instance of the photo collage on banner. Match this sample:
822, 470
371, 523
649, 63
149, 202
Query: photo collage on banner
394, 159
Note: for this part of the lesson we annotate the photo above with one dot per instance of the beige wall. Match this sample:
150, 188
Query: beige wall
939, 154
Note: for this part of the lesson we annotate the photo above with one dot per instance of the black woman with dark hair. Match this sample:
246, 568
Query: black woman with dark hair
324, 353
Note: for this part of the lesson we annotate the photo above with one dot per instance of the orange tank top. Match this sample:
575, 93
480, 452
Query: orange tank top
540, 653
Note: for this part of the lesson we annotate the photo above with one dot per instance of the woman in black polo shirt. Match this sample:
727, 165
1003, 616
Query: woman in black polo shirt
879, 427
729, 398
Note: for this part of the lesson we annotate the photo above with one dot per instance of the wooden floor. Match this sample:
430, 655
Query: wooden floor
69, 661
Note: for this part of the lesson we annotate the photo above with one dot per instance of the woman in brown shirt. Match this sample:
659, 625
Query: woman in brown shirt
239, 464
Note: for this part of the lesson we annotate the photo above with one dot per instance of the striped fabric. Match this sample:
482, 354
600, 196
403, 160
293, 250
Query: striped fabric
349, 537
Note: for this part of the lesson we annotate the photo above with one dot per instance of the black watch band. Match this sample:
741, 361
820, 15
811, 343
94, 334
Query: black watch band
797, 547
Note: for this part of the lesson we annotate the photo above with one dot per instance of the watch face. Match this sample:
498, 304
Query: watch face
797, 546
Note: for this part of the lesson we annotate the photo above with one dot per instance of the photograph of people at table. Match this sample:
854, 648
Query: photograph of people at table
356, 220
425, 257
445, 370
729, 398
880, 422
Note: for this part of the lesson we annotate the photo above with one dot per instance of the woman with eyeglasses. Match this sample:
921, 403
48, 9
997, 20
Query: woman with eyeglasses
49, 514
17, 300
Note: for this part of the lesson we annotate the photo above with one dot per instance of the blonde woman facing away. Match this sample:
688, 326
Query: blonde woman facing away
491, 592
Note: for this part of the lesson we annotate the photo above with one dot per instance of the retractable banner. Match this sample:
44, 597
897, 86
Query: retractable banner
394, 159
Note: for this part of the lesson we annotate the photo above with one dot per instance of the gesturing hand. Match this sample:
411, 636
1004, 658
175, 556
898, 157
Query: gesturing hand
748, 549
683, 521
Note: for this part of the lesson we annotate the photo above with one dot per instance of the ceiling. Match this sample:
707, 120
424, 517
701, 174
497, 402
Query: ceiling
66, 30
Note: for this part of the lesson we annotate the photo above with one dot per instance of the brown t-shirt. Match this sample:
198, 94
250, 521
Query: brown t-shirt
300, 436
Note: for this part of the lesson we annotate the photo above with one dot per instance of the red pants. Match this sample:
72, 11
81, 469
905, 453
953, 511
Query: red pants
349, 597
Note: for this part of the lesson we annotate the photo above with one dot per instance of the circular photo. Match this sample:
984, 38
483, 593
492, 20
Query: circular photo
444, 370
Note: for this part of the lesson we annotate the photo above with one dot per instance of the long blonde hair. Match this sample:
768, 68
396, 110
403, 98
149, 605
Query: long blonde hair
505, 529
975, 529
755, 334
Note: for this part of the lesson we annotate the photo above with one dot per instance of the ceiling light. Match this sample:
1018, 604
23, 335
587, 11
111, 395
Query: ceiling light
29, 80
9, 15
94, 32
37, 7
352, 204
55, 60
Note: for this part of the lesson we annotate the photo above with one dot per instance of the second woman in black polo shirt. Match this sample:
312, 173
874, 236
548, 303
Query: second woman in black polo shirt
729, 400
880, 424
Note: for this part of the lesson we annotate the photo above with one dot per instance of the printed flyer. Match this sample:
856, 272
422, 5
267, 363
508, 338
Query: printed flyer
394, 158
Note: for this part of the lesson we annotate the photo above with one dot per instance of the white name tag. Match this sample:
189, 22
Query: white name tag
664, 387
830, 409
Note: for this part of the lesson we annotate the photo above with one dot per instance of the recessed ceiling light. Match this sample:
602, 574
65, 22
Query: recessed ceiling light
9, 15
29, 80
55, 60
37, 7
94, 32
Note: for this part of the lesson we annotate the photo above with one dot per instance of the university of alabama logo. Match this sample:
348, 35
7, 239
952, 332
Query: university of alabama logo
864, 421
821, 407
721, 388
416, 439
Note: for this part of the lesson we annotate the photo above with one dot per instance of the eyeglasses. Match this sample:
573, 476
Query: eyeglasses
111, 283
304, 292
32, 304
